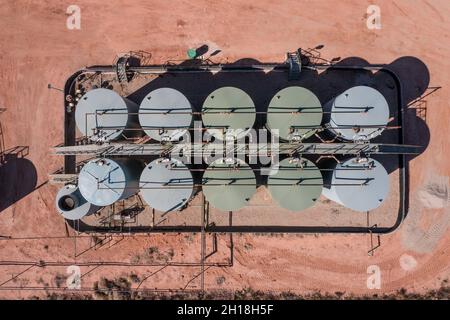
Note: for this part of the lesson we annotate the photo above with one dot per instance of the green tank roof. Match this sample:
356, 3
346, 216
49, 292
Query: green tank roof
296, 185
291, 109
228, 187
228, 108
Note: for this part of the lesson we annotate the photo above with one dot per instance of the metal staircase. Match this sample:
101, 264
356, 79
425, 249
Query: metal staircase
295, 65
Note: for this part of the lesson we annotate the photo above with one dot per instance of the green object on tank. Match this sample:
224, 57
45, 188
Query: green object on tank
229, 187
296, 185
293, 111
192, 53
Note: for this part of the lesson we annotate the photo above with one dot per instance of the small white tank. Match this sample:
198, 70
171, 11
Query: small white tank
72, 205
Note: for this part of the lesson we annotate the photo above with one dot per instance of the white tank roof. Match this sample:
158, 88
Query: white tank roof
166, 184
104, 109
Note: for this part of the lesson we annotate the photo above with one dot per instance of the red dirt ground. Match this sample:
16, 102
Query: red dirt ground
36, 48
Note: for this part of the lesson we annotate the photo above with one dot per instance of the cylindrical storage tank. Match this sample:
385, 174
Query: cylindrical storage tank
359, 113
165, 114
358, 184
72, 205
228, 112
166, 184
103, 115
295, 112
228, 185
295, 184
104, 181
